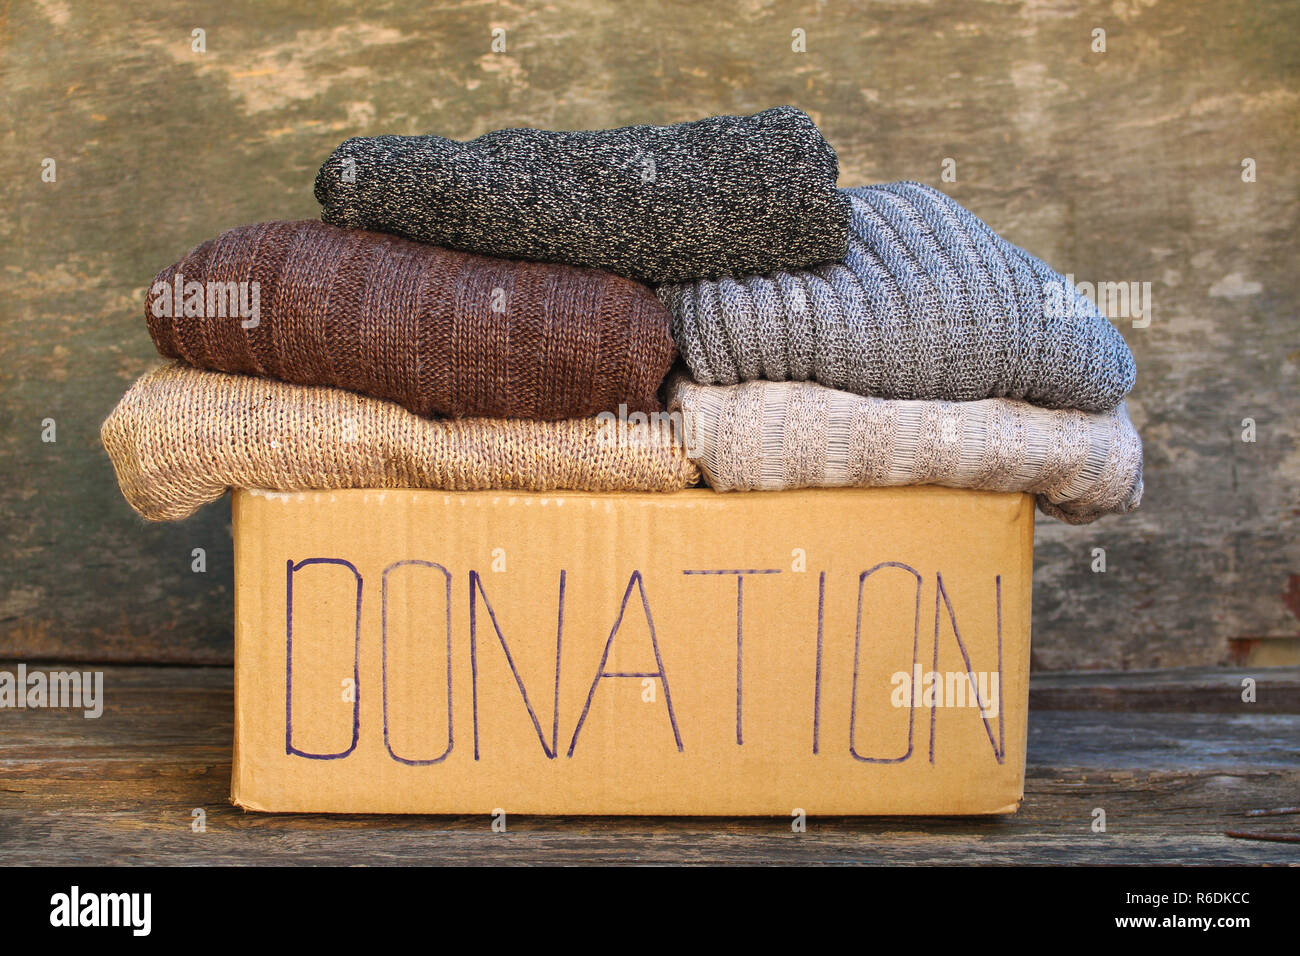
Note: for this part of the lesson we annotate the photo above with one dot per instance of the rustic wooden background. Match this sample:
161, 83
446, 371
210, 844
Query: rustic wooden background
1123, 165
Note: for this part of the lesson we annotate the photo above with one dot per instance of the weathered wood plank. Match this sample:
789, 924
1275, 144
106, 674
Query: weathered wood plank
121, 789
1177, 690
1117, 166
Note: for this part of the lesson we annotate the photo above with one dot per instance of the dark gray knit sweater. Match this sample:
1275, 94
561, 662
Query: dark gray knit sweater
930, 303
719, 196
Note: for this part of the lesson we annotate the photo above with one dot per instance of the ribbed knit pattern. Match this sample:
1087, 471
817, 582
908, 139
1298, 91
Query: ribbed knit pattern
718, 196
435, 330
180, 436
930, 303
772, 435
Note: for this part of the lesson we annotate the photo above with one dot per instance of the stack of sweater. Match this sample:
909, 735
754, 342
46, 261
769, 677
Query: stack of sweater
935, 352
469, 315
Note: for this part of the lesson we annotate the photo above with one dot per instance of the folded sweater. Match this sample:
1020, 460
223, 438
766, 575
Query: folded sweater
929, 303
180, 436
435, 330
728, 194
771, 435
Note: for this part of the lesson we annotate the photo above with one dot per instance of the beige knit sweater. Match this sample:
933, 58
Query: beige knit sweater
180, 436
768, 435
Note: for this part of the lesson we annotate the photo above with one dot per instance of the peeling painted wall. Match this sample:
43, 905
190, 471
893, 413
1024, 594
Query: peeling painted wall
1123, 165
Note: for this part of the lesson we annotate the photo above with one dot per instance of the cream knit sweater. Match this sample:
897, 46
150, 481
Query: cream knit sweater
769, 435
180, 436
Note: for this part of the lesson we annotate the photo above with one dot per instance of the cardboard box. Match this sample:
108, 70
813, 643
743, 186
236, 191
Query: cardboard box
693, 653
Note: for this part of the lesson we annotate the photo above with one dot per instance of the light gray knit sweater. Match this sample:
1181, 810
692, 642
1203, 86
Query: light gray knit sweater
930, 303
772, 435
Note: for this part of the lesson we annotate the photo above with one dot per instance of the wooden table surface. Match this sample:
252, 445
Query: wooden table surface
1175, 758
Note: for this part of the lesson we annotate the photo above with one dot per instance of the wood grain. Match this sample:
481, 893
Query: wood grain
1117, 166
121, 790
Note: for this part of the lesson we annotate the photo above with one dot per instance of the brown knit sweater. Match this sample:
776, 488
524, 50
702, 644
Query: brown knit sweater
437, 331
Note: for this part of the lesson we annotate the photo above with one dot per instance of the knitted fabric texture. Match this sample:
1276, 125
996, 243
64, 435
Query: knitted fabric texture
930, 303
770, 435
729, 194
180, 436
437, 331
